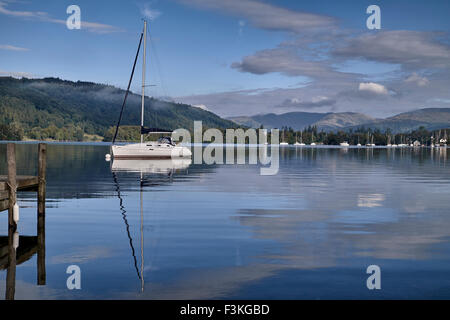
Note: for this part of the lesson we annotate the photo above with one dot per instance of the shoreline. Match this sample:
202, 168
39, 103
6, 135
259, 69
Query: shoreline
320, 146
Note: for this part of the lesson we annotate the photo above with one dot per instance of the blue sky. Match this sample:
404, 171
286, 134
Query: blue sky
243, 57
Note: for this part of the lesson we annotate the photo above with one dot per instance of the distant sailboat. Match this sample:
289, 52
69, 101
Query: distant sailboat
301, 141
389, 141
283, 143
164, 148
370, 137
312, 139
443, 141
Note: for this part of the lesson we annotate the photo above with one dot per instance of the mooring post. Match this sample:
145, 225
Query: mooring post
12, 225
11, 271
12, 183
42, 160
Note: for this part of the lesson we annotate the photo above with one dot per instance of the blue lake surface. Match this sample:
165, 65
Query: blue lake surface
226, 232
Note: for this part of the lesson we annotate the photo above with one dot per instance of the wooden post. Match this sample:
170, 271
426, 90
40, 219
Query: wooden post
12, 225
41, 177
41, 276
11, 271
11, 159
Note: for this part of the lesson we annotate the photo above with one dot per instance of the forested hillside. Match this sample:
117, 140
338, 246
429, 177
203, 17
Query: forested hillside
56, 109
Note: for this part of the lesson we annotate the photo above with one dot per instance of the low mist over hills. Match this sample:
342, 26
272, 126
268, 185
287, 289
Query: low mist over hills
430, 119
51, 108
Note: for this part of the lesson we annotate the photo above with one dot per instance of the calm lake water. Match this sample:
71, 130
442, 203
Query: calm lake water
226, 232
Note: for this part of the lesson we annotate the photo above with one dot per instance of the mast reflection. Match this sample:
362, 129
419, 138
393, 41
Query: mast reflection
148, 170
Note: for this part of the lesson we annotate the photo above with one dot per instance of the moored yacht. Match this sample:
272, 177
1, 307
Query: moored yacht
164, 147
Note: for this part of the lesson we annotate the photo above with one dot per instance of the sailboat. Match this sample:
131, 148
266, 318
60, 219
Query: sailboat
164, 147
312, 139
371, 144
283, 143
389, 144
443, 141
301, 141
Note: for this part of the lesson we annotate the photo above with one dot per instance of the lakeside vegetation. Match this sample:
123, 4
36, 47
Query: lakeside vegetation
309, 135
362, 136
8, 132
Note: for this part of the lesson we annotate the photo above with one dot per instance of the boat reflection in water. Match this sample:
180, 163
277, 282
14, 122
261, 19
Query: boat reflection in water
147, 169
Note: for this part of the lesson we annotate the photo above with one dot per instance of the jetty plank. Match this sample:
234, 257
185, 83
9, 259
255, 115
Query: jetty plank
23, 182
4, 195
4, 205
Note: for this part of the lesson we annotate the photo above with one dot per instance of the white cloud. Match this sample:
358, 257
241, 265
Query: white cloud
149, 13
266, 16
24, 14
411, 49
287, 61
241, 24
201, 106
418, 80
43, 16
373, 87
12, 48
441, 100
313, 103
16, 74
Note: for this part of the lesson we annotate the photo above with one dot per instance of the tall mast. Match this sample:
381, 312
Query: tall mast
143, 79
142, 238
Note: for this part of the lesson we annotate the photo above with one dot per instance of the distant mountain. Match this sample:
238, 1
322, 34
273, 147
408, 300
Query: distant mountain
295, 120
336, 121
51, 108
430, 118
300, 120
245, 121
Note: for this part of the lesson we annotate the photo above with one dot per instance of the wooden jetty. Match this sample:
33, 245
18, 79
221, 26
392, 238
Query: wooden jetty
15, 249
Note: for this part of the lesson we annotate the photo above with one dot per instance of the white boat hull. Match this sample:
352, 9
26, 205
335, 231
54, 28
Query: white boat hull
150, 150
150, 166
